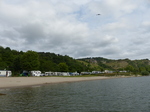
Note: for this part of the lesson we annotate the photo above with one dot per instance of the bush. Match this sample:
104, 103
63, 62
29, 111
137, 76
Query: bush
145, 73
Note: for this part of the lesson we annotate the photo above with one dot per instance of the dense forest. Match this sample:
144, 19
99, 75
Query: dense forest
17, 61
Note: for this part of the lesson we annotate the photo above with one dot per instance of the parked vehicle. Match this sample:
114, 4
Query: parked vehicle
5, 73
35, 73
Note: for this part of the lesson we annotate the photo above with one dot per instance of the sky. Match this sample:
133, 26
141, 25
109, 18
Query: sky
74, 28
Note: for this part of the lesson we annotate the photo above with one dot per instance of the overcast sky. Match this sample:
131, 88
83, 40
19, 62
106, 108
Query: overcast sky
72, 27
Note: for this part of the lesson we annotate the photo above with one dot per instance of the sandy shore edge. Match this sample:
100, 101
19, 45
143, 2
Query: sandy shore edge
11, 82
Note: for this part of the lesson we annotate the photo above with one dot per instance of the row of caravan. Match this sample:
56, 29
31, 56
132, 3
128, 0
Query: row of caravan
39, 73
8, 73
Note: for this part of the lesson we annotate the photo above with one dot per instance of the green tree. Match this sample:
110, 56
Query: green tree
142, 68
148, 68
129, 68
8, 57
3, 65
145, 73
63, 67
17, 65
30, 61
47, 66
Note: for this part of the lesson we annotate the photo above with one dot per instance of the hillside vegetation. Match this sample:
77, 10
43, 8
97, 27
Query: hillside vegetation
17, 61
134, 66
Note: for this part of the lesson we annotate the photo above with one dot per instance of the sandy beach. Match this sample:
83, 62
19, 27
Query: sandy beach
9, 82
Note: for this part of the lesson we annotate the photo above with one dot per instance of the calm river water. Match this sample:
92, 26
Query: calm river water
110, 95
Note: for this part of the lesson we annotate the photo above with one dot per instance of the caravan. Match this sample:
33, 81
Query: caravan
35, 73
5, 73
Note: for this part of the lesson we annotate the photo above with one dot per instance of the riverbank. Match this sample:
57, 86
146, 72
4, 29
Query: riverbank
9, 82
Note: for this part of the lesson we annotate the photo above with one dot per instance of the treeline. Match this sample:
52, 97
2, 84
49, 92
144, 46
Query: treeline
17, 61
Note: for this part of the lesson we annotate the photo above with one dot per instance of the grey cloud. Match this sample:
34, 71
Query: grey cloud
7, 33
111, 50
82, 52
31, 32
145, 27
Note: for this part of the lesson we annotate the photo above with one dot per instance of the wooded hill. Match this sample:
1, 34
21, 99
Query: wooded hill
134, 66
17, 61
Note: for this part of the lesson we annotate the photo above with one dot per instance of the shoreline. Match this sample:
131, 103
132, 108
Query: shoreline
15, 82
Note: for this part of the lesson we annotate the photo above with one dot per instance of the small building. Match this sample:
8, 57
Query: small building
5, 73
86, 73
35, 73
108, 71
96, 72
65, 74
57, 74
123, 71
49, 74
74, 73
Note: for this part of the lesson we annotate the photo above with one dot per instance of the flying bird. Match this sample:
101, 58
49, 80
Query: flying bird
98, 14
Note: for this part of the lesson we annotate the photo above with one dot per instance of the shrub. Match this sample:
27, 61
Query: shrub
145, 73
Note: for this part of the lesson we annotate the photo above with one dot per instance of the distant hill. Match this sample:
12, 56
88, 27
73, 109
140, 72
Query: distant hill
100, 63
